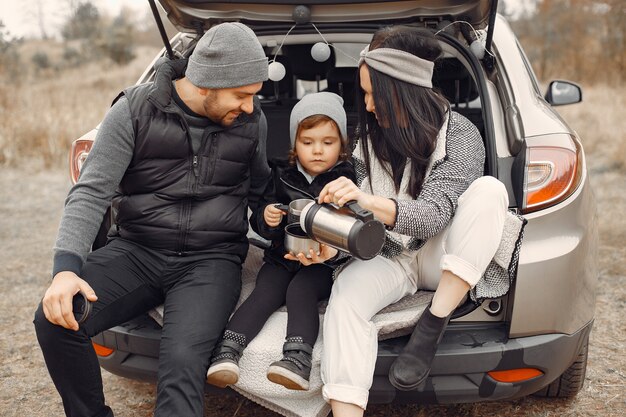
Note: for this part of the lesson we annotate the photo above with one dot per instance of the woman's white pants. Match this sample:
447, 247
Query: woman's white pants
363, 288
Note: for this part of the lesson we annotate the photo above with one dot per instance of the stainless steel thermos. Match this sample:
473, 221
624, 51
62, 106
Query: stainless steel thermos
350, 228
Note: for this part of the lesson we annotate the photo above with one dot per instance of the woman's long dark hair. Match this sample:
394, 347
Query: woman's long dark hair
411, 115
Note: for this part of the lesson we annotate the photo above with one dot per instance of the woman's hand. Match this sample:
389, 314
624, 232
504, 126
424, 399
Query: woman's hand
342, 190
272, 215
326, 253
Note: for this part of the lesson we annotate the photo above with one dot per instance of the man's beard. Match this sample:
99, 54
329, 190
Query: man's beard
215, 113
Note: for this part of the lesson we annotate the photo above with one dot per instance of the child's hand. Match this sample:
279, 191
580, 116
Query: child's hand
272, 215
326, 253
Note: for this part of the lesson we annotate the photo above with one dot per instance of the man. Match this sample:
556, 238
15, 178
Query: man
181, 158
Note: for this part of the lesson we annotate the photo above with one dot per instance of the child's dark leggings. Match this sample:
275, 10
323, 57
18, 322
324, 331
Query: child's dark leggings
275, 286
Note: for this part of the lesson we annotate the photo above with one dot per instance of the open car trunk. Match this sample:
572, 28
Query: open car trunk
349, 22
196, 15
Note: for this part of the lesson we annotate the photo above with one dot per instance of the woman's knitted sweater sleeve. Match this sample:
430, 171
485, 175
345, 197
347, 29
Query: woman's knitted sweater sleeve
450, 176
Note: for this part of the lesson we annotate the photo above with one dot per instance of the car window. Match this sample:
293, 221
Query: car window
348, 54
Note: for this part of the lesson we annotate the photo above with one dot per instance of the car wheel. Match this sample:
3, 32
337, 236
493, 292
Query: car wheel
571, 381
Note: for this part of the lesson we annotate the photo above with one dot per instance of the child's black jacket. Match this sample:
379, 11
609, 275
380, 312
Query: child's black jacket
290, 184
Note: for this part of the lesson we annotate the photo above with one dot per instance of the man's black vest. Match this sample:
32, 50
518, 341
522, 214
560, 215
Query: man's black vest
170, 198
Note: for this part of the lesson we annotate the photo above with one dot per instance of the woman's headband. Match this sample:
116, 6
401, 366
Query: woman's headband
399, 64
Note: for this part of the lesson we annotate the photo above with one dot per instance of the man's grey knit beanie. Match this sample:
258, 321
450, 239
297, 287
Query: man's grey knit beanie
228, 55
328, 104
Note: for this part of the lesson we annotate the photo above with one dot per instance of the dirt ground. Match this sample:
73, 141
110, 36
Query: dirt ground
30, 207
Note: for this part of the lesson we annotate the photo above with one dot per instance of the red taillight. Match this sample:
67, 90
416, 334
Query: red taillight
78, 154
552, 172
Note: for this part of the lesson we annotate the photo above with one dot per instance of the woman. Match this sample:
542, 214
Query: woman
420, 168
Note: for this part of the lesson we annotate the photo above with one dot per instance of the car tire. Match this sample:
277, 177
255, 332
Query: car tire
571, 381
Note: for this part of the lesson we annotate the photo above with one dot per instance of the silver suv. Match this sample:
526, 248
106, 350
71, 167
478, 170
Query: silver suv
532, 340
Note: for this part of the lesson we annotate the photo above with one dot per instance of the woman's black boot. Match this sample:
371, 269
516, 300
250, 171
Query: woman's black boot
294, 369
411, 367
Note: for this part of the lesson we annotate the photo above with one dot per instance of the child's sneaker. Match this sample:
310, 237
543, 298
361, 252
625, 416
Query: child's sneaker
224, 369
294, 369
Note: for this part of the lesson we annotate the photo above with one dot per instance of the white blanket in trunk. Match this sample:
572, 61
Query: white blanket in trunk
395, 320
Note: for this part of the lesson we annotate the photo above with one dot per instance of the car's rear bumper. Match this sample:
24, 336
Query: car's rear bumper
468, 352
458, 375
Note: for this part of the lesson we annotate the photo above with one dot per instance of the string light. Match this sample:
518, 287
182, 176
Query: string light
276, 71
333, 46
320, 52
477, 47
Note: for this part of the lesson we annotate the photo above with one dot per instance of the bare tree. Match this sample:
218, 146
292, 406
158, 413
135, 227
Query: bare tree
36, 11
40, 19
84, 22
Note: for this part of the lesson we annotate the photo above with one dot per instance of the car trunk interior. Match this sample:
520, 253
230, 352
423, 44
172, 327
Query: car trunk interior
342, 19
452, 77
305, 75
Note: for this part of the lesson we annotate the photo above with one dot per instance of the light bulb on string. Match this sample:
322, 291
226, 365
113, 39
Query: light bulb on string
478, 47
320, 51
276, 71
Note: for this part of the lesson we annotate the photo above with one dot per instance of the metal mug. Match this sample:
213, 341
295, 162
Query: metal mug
294, 209
296, 241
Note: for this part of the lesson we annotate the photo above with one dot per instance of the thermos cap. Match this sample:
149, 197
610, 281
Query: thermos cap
366, 239
304, 212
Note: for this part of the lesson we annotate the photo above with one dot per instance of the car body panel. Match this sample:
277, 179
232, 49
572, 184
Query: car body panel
537, 116
558, 268
191, 16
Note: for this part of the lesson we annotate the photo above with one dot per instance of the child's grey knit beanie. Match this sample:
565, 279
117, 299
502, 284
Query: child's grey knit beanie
328, 104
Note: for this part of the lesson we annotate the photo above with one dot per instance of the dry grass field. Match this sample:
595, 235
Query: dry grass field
43, 113
38, 121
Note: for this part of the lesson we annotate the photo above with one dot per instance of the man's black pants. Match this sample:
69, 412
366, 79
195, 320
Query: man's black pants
198, 294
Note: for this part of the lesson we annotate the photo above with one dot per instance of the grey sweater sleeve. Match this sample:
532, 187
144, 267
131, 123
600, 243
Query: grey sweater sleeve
434, 207
88, 200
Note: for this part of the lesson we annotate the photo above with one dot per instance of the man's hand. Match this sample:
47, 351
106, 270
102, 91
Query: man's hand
272, 215
326, 253
57, 302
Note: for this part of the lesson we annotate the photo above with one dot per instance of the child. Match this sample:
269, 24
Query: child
319, 154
